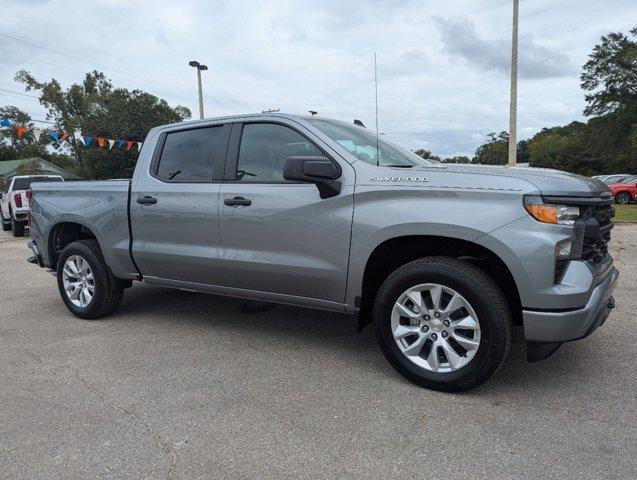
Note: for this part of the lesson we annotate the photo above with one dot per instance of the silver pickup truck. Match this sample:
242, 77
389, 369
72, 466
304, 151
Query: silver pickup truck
307, 211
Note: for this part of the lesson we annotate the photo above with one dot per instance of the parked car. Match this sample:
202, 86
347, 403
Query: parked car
15, 204
626, 191
610, 179
319, 213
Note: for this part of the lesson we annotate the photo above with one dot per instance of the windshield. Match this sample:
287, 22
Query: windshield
366, 146
25, 183
629, 180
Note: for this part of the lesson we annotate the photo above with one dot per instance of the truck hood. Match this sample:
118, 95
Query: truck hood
548, 181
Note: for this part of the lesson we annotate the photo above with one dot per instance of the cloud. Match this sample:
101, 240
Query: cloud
443, 80
535, 61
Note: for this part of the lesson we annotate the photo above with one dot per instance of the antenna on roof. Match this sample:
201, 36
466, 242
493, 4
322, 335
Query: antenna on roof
376, 107
312, 112
358, 122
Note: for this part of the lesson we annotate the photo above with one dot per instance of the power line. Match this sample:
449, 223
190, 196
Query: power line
19, 93
32, 59
159, 93
78, 59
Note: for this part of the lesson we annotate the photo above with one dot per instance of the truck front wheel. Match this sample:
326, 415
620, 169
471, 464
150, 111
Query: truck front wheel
442, 323
84, 282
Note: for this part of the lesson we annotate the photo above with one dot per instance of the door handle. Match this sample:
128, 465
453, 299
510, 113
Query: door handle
237, 201
147, 200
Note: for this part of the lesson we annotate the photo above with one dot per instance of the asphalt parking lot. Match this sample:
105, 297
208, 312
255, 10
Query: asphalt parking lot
183, 385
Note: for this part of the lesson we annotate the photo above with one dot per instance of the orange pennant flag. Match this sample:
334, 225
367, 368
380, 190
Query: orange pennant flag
101, 141
64, 136
129, 144
21, 131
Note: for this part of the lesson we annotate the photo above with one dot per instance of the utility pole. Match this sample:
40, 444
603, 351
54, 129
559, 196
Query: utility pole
513, 111
376, 107
199, 67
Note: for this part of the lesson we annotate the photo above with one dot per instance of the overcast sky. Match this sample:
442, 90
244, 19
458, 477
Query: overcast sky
443, 66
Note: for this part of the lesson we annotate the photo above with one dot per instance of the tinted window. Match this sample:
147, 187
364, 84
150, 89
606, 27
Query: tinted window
25, 183
264, 148
365, 145
188, 155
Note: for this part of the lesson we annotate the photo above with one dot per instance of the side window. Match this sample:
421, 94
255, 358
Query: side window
264, 148
189, 155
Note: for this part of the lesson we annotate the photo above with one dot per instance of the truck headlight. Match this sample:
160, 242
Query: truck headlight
550, 213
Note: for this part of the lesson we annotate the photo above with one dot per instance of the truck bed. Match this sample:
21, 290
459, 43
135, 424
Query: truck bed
100, 206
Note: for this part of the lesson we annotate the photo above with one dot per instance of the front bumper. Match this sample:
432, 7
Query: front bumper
566, 325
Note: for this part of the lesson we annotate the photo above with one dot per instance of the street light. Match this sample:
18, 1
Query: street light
199, 67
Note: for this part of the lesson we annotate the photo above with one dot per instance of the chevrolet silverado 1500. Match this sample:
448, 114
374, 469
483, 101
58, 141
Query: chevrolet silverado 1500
307, 211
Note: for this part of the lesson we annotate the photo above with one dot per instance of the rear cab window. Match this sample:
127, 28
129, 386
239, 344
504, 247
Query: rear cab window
188, 156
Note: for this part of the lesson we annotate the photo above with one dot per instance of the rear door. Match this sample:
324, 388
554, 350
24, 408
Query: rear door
278, 236
175, 209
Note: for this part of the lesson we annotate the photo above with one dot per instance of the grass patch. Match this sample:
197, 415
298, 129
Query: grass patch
626, 213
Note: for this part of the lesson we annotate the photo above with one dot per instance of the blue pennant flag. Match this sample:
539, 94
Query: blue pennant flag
88, 140
54, 135
121, 143
5, 122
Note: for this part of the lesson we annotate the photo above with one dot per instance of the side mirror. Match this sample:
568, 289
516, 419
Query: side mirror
320, 171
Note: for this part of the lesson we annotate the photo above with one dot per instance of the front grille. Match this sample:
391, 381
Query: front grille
597, 226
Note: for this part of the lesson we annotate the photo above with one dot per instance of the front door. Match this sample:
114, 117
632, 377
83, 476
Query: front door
175, 206
279, 236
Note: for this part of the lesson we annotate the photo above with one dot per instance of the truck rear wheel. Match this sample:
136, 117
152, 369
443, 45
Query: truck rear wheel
84, 282
6, 224
443, 323
17, 228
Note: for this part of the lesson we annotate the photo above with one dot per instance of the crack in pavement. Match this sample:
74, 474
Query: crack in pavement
160, 442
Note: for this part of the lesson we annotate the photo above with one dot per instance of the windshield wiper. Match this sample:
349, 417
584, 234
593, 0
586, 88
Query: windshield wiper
173, 175
399, 166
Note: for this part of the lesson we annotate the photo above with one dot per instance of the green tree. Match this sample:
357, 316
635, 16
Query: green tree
426, 154
610, 75
495, 151
99, 110
457, 159
13, 148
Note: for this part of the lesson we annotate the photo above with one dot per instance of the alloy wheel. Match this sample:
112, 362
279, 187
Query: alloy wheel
435, 328
78, 281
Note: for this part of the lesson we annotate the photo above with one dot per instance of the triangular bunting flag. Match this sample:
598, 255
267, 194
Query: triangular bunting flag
64, 136
129, 144
101, 141
120, 143
110, 143
36, 133
139, 146
54, 135
5, 122
88, 140
78, 137
20, 131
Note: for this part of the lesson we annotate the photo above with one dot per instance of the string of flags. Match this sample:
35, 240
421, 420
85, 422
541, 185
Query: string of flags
86, 140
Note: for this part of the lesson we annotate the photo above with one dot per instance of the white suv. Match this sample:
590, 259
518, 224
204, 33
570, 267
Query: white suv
15, 204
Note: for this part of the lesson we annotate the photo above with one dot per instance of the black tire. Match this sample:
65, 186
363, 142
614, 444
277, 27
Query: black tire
106, 298
17, 228
622, 198
479, 290
6, 225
